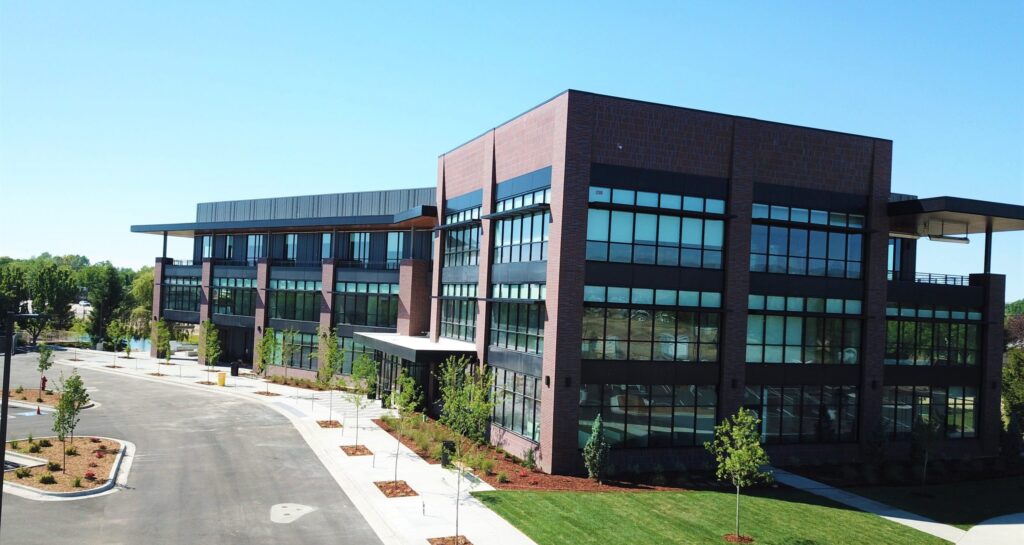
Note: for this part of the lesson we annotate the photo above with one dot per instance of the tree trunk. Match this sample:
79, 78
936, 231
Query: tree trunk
458, 493
737, 510
924, 470
64, 467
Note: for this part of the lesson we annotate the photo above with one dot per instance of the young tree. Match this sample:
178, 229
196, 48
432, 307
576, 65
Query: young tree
45, 363
73, 398
738, 453
595, 452
329, 361
925, 438
266, 350
120, 335
288, 349
163, 342
213, 351
364, 381
405, 398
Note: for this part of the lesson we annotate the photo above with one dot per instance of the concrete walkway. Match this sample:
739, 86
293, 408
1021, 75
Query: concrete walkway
1004, 530
397, 521
917, 522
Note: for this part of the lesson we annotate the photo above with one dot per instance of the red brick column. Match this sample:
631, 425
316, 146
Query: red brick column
484, 278
326, 300
204, 294
414, 297
158, 307
262, 282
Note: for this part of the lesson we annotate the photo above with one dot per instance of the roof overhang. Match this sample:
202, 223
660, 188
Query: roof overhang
417, 349
953, 216
420, 217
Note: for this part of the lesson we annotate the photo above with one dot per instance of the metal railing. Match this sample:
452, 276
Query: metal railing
295, 263
390, 264
235, 262
938, 278
183, 262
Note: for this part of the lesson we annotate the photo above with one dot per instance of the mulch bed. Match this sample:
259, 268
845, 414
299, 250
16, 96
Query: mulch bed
356, 450
518, 477
395, 489
113, 366
733, 538
268, 394
90, 458
30, 395
206, 383
329, 423
450, 540
157, 374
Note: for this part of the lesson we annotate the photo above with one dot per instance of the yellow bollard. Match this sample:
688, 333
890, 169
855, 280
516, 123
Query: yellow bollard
221, 377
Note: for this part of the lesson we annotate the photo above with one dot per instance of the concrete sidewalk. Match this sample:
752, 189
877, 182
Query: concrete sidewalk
1004, 530
397, 520
917, 522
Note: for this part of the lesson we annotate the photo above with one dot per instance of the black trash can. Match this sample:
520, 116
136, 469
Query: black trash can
234, 368
447, 452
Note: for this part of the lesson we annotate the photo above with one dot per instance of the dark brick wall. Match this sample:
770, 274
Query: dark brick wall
414, 297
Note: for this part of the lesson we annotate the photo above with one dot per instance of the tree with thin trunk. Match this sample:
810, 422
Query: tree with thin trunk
738, 454
329, 359
163, 342
45, 363
266, 351
121, 337
925, 438
288, 349
209, 346
595, 452
405, 398
364, 381
73, 398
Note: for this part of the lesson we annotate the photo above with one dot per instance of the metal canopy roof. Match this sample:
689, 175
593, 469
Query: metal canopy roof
421, 217
967, 216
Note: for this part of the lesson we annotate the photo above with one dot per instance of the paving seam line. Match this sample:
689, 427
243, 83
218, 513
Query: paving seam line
375, 519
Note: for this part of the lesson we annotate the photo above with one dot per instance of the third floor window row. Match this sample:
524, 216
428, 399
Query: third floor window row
654, 239
804, 215
668, 201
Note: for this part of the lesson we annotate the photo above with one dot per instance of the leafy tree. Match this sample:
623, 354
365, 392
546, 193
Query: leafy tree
209, 341
105, 288
163, 341
925, 438
52, 289
364, 381
406, 397
1012, 440
73, 398
266, 349
288, 348
1015, 308
738, 453
120, 336
45, 363
1014, 333
595, 452
1013, 384
13, 288
329, 358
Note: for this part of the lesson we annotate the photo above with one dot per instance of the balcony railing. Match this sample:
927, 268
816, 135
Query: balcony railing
295, 263
183, 262
235, 262
939, 278
390, 264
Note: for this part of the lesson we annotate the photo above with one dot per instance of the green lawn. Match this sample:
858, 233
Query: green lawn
782, 516
960, 504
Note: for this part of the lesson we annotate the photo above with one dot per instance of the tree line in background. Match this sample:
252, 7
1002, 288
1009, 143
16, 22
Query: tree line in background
48, 285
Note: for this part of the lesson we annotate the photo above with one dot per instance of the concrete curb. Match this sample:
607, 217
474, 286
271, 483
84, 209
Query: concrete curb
115, 478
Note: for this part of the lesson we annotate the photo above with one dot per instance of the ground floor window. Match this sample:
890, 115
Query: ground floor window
182, 293
458, 311
351, 350
517, 403
642, 415
952, 407
302, 351
804, 414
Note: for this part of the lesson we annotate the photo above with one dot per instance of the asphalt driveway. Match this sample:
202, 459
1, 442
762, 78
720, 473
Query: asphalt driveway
208, 469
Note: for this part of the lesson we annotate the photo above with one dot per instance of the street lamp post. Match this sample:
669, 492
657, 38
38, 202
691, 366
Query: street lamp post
8, 328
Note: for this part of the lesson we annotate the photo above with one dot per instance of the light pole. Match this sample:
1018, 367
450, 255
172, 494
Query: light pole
8, 328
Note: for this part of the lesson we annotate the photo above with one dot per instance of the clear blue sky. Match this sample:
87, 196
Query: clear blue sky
117, 114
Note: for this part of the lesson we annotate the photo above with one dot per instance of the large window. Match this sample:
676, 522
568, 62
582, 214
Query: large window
370, 304
904, 407
651, 238
462, 244
931, 335
234, 296
634, 324
805, 414
396, 247
524, 237
295, 300
253, 248
517, 403
834, 249
458, 311
808, 332
359, 247
641, 415
303, 349
182, 293
350, 351
518, 316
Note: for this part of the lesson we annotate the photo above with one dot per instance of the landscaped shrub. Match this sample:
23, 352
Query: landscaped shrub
71, 451
487, 465
77, 482
90, 476
100, 454
530, 461
53, 466
19, 389
93, 464
34, 448
502, 477
435, 451
14, 445
45, 443
47, 479
659, 479
94, 439
30, 438
103, 447
22, 472
39, 400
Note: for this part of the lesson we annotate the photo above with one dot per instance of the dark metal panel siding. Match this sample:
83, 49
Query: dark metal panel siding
367, 203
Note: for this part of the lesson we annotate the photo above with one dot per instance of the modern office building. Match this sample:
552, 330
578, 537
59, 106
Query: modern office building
656, 265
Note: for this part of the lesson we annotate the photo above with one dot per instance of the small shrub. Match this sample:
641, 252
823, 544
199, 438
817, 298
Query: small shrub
34, 448
530, 461
435, 451
90, 476
22, 472
93, 464
100, 454
77, 482
487, 466
19, 389
39, 400
45, 443
71, 451
47, 479
29, 438
103, 447
23, 398
14, 445
659, 479
94, 439
53, 466
502, 477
